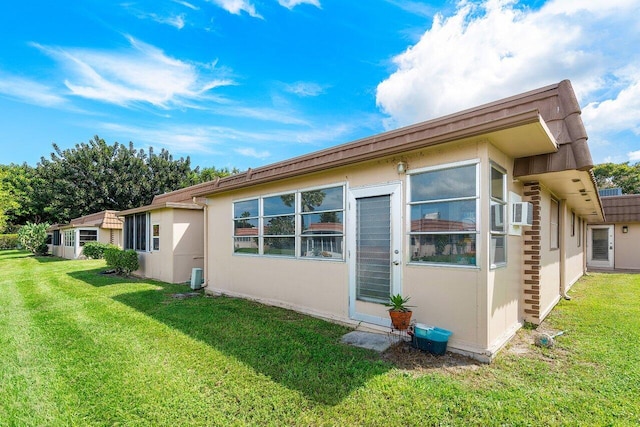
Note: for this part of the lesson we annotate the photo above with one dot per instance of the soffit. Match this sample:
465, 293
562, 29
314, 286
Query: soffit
529, 139
577, 188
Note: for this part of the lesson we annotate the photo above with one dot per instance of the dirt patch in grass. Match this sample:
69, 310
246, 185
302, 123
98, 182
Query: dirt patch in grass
524, 344
404, 356
419, 362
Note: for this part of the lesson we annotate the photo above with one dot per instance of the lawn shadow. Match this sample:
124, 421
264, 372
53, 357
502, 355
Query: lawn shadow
14, 254
99, 277
300, 352
44, 259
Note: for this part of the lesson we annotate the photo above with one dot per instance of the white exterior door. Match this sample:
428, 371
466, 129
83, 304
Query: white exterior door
374, 250
600, 250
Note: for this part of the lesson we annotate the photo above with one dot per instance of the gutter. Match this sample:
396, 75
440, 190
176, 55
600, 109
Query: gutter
427, 134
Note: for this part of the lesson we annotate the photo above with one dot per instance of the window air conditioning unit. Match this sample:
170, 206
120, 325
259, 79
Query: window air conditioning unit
522, 214
196, 278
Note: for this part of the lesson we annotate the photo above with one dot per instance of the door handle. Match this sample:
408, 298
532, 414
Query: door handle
396, 262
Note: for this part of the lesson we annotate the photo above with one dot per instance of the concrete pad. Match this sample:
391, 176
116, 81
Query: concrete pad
370, 340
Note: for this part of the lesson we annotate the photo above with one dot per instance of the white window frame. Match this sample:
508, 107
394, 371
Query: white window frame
135, 232
70, 238
298, 215
263, 217
154, 237
81, 242
410, 203
505, 226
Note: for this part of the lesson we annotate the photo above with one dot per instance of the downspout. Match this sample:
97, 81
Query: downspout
563, 249
205, 206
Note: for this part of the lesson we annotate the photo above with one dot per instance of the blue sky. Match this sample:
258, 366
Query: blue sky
244, 83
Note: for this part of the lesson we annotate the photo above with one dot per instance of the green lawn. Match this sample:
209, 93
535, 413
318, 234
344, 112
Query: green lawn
81, 348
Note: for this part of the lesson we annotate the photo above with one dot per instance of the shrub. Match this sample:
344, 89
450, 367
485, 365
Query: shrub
95, 250
33, 237
129, 261
8, 241
123, 262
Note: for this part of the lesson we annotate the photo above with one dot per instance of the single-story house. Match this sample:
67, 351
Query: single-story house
168, 235
479, 217
67, 240
613, 244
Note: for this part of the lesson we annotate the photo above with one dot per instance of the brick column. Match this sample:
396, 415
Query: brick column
532, 256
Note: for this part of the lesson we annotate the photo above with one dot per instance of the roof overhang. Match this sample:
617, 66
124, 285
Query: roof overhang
577, 188
167, 205
517, 134
531, 137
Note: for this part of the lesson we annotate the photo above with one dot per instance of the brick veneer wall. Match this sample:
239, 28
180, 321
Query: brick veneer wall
532, 257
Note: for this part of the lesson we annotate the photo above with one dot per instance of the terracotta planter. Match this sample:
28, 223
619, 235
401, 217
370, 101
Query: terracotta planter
400, 319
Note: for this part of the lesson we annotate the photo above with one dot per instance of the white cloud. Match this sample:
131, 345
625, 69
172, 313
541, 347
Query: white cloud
194, 138
261, 113
186, 4
290, 4
634, 156
304, 89
29, 91
140, 74
236, 7
495, 48
414, 7
251, 152
176, 21
619, 113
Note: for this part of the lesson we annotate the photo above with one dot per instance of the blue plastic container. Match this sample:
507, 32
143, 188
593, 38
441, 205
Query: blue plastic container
421, 330
433, 340
438, 334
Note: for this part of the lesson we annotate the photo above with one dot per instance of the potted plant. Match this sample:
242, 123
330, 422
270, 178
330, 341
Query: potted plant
399, 311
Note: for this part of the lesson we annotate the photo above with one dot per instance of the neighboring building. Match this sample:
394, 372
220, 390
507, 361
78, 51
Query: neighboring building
168, 234
426, 211
613, 244
605, 192
67, 240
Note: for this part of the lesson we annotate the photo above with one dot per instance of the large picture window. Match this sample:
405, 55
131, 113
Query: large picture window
136, 232
70, 238
87, 236
307, 223
443, 206
498, 226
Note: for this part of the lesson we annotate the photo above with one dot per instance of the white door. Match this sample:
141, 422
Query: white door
374, 250
600, 246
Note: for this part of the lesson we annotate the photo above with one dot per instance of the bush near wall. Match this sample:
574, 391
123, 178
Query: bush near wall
33, 237
8, 241
123, 262
95, 250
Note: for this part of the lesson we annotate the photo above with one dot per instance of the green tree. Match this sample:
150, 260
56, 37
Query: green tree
618, 175
21, 204
6, 200
95, 176
199, 175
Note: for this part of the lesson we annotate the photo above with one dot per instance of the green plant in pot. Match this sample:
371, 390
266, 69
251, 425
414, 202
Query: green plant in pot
399, 311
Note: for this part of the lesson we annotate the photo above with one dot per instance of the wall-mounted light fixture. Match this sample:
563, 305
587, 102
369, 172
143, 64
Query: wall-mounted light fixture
625, 228
401, 167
